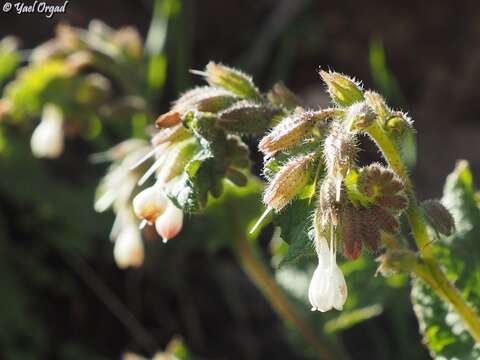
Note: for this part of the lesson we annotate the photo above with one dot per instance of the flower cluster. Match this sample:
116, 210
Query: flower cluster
115, 191
66, 82
318, 149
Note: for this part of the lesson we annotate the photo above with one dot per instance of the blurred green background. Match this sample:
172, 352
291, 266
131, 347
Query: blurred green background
62, 296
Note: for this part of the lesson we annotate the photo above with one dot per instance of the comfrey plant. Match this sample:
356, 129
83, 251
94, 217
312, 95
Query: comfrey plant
310, 155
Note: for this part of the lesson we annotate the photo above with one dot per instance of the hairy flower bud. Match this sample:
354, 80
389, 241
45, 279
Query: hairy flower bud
204, 98
288, 181
328, 209
292, 130
359, 116
130, 41
377, 103
288, 132
150, 203
169, 224
128, 249
168, 120
230, 79
343, 90
340, 150
439, 217
48, 137
247, 117
280, 95
397, 124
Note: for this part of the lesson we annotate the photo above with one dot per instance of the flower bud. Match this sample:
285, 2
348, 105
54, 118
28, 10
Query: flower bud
343, 90
359, 116
288, 182
328, 209
439, 217
247, 117
78, 61
169, 224
340, 150
397, 124
68, 36
289, 132
280, 95
150, 203
377, 103
130, 41
204, 98
128, 250
48, 137
230, 79
168, 120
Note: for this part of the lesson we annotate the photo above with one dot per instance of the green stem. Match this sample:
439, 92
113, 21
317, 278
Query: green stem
262, 278
431, 273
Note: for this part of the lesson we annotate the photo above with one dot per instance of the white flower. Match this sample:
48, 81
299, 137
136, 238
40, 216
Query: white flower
170, 223
150, 204
327, 288
128, 250
47, 138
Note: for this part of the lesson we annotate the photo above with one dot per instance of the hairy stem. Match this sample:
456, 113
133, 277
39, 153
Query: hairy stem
262, 278
431, 273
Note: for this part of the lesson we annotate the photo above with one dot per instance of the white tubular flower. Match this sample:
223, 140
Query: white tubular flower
128, 250
327, 288
150, 204
169, 224
47, 138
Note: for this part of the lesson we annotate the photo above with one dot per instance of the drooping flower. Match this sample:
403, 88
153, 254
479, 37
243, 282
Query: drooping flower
47, 138
128, 250
328, 288
169, 224
150, 203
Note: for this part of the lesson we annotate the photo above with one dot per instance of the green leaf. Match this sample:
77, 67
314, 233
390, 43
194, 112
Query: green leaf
443, 330
295, 223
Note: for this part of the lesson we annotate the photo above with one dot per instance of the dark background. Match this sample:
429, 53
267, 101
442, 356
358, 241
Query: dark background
431, 48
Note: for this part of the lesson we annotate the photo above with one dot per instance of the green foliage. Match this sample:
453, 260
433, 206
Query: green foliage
295, 222
9, 60
37, 85
443, 330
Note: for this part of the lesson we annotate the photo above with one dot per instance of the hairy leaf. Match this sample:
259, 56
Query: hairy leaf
443, 330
